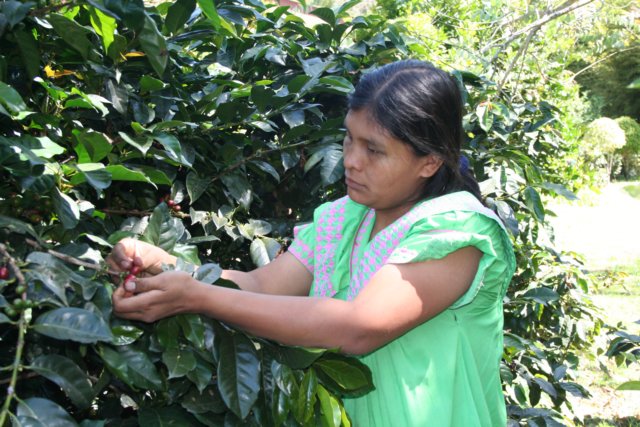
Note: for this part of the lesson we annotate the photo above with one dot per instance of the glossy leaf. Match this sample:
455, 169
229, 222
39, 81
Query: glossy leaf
306, 400
534, 203
74, 324
169, 416
161, 230
542, 295
179, 362
178, 14
347, 376
66, 374
238, 374
11, 100
132, 366
36, 411
125, 334
76, 35
66, 208
154, 45
329, 407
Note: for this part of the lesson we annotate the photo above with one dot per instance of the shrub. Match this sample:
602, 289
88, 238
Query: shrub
630, 152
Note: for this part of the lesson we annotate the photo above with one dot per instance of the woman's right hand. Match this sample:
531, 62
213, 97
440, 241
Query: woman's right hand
147, 257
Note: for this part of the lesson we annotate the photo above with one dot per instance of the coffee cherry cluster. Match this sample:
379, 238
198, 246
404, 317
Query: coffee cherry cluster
4, 272
175, 206
133, 273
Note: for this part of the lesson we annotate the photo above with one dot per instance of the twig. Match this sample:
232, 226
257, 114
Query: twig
601, 60
134, 212
72, 260
22, 329
520, 52
46, 9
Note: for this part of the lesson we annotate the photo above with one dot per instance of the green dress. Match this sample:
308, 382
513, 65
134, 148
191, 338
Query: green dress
444, 372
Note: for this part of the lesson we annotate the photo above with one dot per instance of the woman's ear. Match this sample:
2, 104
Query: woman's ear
431, 164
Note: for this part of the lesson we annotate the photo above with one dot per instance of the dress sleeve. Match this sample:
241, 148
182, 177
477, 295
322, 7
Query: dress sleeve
304, 237
438, 236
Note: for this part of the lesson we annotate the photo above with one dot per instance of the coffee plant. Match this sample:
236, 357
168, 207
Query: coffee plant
210, 129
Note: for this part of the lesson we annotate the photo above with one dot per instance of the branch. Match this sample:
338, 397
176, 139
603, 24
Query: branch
22, 329
534, 25
72, 260
255, 155
520, 52
603, 59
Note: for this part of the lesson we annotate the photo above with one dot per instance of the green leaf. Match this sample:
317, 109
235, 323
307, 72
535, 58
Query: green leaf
298, 357
173, 147
560, 190
534, 203
154, 45
42, 146
326, 14
11, 100
209, 9
95, 174
67, 375
96, 144
29, 51
132, 366
73, 33
162, 230
506, 214
196, 186
629, 385
141, 143
337, 83
74, 324
178, 14
150, 84
192, 329
36, 411
329, 407
208, 400
125, 334
263, 250
104, 25
167, 332
634, 84
16, 226
306, 400
541, 295
239, 188
238, 373
332, 168
293, 117
485, 118
346, 375
179, 361
168, 416
66, 209
122, 173
208, 273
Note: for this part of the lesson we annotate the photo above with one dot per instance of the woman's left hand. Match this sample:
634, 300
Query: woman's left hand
156, 297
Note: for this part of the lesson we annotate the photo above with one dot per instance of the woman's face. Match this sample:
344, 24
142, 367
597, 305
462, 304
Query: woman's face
382, 172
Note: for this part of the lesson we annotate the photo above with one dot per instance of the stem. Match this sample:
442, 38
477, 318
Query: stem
22, 329
71, 260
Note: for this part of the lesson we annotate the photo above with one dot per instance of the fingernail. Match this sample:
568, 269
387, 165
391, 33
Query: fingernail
130, 286
125, 264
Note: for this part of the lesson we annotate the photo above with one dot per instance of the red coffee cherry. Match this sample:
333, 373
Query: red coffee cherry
4, 273
135, 270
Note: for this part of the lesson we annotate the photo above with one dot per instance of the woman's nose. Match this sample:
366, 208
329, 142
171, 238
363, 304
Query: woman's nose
352, 159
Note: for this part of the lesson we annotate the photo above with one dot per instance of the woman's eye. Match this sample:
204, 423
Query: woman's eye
373, 151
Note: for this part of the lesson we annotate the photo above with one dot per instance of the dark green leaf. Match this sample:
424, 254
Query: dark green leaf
96, 145
208, 400
122, 173
293, 117
629, 385
11, 100
74, 324
16, 226
506, 214
179, 361
238, 373
337, 83
173, 147
541, 295
43, 412
306, 399
66, 374
73, 33
29, 51
132, 366
329, 407
192, 328
332, 168
534, 203
154, 45
196, 186
210, 11
169, 416
560, 190
125, 334
346, 375
208, 273
162, 230
178, 14
66, 209
150, 84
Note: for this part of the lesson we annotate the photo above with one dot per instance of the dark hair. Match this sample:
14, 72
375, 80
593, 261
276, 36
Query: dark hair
421, 106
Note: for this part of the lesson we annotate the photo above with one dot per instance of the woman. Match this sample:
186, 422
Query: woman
408, 270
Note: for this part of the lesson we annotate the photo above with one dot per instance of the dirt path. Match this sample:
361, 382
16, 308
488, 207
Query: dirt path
606, 233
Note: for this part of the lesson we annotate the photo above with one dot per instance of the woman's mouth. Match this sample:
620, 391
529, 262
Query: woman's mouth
354, 185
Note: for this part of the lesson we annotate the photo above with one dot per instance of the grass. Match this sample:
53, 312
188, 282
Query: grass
633, 190
618, 295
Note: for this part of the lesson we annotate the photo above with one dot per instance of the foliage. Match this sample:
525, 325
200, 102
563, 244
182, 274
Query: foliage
234, 111
630, 152
601, 140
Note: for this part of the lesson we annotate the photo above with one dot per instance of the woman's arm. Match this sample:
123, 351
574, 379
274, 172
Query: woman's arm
397, 299
283, 276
